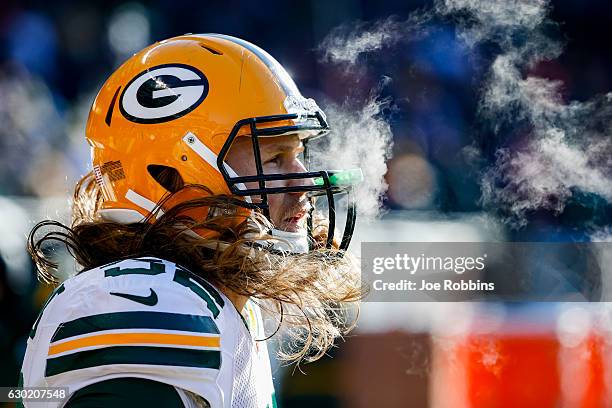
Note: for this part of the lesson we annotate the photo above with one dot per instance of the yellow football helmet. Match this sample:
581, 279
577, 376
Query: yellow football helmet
180, 103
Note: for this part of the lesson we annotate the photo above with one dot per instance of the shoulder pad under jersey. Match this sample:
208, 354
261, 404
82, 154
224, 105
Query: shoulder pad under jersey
143, 317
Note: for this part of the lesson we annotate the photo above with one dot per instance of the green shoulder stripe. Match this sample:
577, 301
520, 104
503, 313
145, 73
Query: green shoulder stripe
155, 268
209, 288
200, 287
165, 356
135, 320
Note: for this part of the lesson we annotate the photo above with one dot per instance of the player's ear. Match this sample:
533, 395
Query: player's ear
168, 177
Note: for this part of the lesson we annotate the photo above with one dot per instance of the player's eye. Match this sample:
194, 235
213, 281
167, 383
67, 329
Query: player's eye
273, 160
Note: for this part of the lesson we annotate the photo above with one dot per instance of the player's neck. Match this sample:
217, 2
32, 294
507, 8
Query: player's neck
238, 300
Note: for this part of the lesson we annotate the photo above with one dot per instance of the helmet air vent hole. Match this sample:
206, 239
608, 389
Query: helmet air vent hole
168, 177
212, 50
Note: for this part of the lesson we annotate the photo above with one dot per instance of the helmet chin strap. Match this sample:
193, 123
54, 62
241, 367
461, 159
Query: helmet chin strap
296, 242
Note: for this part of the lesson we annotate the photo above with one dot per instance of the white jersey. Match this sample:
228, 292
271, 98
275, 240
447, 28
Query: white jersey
150, 318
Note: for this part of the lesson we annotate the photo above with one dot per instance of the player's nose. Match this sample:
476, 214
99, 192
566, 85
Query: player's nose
298, 167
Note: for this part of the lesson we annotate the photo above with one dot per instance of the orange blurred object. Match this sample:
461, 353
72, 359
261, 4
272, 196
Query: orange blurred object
523, 368
508, 371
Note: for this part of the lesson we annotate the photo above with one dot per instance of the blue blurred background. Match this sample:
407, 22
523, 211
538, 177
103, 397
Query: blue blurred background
54, 55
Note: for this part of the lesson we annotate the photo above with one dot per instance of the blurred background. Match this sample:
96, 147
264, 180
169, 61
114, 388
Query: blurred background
54, 55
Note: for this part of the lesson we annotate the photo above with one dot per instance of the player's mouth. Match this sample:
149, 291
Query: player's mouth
297, 217
295, 221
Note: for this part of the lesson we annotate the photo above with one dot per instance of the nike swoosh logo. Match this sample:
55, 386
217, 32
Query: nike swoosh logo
150, 300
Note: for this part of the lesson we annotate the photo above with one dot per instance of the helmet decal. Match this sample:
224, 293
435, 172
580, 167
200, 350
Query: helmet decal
163, 93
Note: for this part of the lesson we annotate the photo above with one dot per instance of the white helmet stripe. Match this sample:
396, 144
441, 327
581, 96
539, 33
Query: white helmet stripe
141, 201
210, 157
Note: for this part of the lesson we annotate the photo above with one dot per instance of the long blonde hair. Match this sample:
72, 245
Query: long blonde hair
307, 294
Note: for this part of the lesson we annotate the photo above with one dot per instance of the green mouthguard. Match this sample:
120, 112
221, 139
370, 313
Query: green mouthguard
342, 178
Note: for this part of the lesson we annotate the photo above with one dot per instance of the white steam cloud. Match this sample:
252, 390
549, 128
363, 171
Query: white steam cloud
360, 138
344, 44
568, 146
565, 148
494, 18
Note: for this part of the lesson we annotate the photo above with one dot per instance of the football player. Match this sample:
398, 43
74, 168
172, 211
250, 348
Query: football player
198, 219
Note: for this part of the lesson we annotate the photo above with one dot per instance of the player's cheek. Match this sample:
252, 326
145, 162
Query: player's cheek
276, 203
